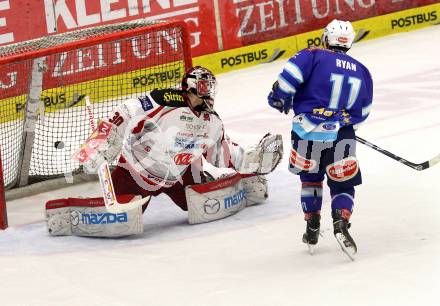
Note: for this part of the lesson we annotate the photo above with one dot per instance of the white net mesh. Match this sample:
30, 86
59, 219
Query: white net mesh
75, 66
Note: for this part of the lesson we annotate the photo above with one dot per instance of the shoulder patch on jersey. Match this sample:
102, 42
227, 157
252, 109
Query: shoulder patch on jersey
146, 103
169, 97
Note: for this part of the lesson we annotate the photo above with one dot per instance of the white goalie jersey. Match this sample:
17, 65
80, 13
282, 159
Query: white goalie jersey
163, 136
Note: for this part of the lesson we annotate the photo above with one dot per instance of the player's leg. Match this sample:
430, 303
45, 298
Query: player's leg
343, 174
128, 181
311, 202
177, 192
306, 161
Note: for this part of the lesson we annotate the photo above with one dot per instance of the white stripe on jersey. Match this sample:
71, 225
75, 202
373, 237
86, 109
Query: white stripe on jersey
294, 71
285, 86
366, 110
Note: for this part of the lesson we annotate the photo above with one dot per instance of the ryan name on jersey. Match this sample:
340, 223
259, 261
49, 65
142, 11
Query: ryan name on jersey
345, 64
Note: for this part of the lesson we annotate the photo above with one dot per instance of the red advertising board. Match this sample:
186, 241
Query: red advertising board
246, 22
22, 20
241, 22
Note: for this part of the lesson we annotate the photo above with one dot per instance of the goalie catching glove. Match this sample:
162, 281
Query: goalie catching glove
264, 157
103, 144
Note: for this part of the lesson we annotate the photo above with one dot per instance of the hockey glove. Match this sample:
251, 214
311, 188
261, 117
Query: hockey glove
276, 101
263, 157
343, 117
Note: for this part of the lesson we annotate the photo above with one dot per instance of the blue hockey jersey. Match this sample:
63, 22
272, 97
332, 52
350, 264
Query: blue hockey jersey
322, 84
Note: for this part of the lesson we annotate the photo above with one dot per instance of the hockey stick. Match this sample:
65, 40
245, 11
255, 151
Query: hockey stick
422, 166
105, 179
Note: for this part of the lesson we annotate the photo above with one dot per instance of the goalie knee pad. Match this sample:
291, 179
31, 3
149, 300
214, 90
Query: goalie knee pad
89, 217
256, 189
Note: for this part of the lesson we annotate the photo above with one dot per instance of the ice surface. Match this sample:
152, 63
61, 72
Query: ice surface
256, 257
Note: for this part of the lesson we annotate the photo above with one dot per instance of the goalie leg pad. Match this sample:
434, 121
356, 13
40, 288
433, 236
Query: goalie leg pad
256, 189
89, 217
215, 200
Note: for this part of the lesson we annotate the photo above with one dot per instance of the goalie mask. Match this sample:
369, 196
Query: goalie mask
201, 82
338, 34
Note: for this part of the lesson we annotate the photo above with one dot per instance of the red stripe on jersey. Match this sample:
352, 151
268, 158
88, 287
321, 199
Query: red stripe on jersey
152, 114
141, 123
164, 113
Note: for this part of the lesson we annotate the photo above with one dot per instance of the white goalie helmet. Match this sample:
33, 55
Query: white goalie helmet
202, 82
338, 34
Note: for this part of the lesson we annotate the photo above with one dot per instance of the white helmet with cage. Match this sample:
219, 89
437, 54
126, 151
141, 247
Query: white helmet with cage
201, 82
339, 34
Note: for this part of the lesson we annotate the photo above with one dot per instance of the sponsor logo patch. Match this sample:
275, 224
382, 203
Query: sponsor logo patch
235, 199
343, 170
300, 162
343, 39
103, 218
211, 206
183, 158
329, 127
146, 103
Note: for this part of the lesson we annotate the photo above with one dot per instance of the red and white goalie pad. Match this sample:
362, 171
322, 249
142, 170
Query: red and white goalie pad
89, 217
215, 200
103, 144
222, 198
256, 188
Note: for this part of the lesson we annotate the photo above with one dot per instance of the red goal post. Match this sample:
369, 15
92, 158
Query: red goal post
3, 215
43, 83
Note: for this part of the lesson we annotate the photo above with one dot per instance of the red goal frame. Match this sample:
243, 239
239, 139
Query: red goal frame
32, 54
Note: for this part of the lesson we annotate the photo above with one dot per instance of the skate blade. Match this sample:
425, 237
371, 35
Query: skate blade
349, 251
311, 249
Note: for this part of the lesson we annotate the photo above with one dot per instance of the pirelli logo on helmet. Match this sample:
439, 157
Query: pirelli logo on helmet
343, 170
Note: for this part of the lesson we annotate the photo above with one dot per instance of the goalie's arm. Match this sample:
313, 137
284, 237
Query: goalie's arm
105, 143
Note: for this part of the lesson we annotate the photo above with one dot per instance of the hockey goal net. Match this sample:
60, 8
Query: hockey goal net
43, 83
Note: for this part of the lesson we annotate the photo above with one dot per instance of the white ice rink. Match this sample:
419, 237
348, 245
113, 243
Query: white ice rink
256, 257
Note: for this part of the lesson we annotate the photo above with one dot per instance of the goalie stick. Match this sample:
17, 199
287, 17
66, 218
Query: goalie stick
105, 179
422, 166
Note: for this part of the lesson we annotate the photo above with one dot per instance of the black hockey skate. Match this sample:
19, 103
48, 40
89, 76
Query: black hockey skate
312, 231
340, 227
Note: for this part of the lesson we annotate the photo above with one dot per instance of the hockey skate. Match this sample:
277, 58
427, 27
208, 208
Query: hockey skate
340, 227
311, 235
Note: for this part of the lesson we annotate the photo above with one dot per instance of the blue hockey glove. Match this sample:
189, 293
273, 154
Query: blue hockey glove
343, 117
277, 102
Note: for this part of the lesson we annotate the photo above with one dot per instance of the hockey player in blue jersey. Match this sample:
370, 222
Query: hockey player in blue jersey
330, 94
